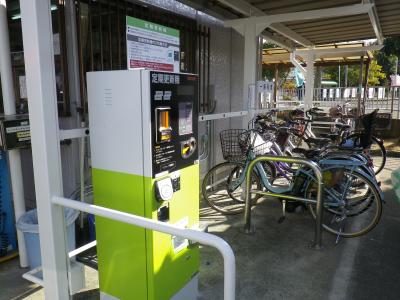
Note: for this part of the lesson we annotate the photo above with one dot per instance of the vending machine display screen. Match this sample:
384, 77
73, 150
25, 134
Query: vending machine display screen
174, 99
185, 118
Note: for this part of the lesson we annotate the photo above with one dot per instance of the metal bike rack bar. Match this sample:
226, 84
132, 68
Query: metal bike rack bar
320, 202
201, 237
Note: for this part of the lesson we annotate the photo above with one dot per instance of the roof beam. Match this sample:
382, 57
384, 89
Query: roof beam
244, 7
289, 33
265, 21
376, 25
205, 7
280, 41
249, 10
319, 52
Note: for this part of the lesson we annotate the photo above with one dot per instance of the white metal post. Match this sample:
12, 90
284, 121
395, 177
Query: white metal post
41, 85
250, 65
14, 156
309, 93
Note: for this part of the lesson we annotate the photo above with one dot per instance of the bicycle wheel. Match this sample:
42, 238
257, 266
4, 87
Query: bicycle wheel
352, 204
377, 152
216, 184
378, 155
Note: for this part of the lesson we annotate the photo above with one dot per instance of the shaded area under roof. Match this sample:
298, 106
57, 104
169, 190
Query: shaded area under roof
272, 56
318, 31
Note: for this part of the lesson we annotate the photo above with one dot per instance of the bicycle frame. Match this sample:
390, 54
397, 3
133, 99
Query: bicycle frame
319, 203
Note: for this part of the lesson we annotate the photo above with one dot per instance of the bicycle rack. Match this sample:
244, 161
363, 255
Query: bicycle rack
320, 202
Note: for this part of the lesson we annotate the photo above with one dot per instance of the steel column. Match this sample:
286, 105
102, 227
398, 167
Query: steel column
249, 66
309, 86
41, 85
14, 156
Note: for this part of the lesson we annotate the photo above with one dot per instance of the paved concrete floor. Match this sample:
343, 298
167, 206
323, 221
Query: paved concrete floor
276, 263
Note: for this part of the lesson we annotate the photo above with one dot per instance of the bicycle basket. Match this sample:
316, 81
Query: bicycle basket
258, 143
262, 149
234, 144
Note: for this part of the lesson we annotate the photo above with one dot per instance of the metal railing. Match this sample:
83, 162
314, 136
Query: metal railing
197, 236
386, 98
317, 243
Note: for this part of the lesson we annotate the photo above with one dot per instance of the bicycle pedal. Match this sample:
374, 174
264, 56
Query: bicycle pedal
379, 183
281, 219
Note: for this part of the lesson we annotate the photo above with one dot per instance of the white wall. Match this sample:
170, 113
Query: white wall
226, 75
226, 72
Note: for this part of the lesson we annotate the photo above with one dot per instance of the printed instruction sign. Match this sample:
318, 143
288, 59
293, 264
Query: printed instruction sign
152, 46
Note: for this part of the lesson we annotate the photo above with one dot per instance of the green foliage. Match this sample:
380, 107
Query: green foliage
387, 57
392, 46
375, 74
269, 45
388, 63
332, 73
268, 73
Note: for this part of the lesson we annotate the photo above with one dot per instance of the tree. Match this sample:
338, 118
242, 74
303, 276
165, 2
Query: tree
388, 63
392, 46
268, 72
388, 56
332, 73
375, 74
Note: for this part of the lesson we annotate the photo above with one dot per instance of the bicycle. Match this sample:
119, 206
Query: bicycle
349, 191
343, 136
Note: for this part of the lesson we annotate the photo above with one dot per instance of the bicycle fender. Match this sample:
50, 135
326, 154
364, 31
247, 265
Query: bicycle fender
379, 141
368, 176
374, 182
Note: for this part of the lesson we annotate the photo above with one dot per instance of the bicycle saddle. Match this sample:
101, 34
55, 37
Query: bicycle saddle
318, 141
308, 153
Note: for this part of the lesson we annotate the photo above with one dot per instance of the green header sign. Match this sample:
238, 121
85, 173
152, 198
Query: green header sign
131, 21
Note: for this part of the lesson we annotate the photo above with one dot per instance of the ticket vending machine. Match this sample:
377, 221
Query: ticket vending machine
143, 137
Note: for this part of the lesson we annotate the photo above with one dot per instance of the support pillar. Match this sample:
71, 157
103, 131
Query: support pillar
360, 84
14, 156
37, 36
309, 93
249, 67
276, 83
365, 85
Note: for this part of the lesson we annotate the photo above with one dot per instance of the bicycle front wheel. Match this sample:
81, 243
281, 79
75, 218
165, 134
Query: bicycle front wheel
215, 188
352, 203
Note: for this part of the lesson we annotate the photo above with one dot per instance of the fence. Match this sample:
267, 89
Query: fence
384, 98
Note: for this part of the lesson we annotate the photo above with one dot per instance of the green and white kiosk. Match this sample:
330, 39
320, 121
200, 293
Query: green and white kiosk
143, 138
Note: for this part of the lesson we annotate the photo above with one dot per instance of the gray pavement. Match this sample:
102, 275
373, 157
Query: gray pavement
276, 262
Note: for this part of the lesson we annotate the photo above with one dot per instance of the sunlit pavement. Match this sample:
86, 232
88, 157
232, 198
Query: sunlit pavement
276, 262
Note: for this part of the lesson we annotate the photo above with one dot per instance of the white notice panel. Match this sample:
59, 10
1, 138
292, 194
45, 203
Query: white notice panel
152, 46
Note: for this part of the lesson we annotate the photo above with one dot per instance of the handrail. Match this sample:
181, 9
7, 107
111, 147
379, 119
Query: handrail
320, 202
190, 234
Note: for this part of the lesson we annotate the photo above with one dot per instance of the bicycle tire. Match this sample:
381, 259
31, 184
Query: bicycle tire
376, 217
224, 202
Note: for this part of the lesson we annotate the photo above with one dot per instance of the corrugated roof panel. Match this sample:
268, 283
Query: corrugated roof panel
327, 30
